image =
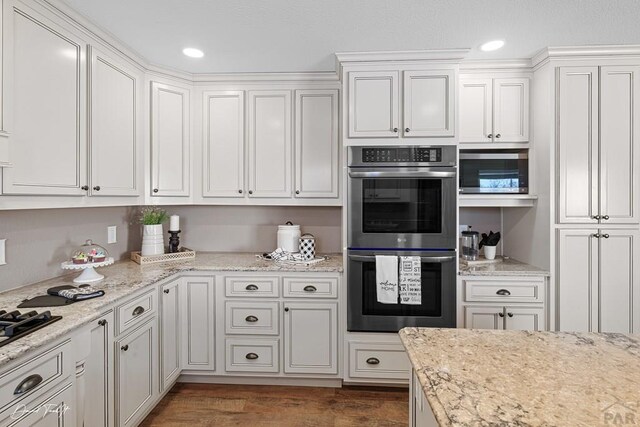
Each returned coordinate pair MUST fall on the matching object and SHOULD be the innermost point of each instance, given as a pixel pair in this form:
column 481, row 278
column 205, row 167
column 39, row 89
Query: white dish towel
column 410, row 280
column 387, row 279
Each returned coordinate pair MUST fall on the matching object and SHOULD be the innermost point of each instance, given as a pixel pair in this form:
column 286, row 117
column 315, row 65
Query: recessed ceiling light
column 492, row 45
column 192, row 52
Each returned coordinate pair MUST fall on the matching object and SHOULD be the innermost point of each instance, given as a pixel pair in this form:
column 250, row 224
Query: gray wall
column 38, row 240
column 484, row 220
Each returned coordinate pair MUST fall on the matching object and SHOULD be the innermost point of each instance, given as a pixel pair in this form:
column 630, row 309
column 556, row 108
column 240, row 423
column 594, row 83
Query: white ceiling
column 302, row 35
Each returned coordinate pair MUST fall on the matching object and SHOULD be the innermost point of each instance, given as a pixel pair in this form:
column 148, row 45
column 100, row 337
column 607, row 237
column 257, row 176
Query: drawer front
column 252, row 355
column 505, row 291
column 39, row 373
column 252, row 287
column 255, row 318
column 310, row 287
column 378, row 361
column 136, row 311
column 57, row 408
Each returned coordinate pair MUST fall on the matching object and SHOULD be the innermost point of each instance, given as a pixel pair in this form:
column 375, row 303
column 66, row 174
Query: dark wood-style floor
column 256, row 406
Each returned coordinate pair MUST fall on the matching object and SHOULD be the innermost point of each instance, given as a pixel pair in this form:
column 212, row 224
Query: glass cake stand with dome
column 87, row 258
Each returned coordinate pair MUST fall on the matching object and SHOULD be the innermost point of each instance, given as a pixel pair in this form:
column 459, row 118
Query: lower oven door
column 438, row 289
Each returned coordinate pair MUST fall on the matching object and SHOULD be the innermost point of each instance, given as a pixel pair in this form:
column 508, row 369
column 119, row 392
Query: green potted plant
column 151, row 218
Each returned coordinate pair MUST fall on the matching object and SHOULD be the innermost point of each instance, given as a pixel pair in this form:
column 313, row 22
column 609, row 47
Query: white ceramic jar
column 289, row 237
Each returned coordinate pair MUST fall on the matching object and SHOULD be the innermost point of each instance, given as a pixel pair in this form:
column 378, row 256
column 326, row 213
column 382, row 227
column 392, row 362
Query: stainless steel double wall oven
column 402, row 201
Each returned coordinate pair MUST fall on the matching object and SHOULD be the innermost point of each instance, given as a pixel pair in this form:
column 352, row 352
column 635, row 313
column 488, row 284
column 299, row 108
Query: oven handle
column 438, row 259
column 403, row 173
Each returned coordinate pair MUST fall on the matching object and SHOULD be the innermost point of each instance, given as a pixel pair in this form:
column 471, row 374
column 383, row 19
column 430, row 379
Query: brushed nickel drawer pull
column 251, row 356
column 251, row 287
column 138, row 310
column 28, row 384
column 251, row 319
column 310, row 288
column 373, row 361
column 504, row 292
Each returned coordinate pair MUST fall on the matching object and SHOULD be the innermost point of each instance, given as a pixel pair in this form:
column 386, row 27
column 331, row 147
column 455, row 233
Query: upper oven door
column 402, row 208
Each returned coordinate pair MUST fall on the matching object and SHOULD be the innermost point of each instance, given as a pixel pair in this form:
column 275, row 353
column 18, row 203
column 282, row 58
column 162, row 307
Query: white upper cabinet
column 597, row 144
column 223, row 144
column 374, row 104
column 113, row 132
column 270, row 144
column 476, row 110
column 170, row 126
column 429, row 103
column 316, row 144
column 620, row 144
column 47, row 70
column 494, row 110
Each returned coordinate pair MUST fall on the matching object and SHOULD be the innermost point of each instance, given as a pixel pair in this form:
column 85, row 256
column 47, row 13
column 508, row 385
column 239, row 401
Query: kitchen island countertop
column 521, row 378
column 122, row 280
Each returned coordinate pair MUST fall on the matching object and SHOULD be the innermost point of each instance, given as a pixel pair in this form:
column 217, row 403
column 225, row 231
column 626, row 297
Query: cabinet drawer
column 378, row 361
column 56, row 408
column 252, row 355
column 136, row 311
column 310, row 287
column 492, row 290
column 37, row 374
column 256, row 318
column 251, row 286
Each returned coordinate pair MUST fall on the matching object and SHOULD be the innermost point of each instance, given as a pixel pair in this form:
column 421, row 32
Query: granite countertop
column 122, row 280
column 508, row 267
column 521, row 378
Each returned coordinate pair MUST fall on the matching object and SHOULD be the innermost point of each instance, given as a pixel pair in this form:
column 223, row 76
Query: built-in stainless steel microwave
column 494, row 171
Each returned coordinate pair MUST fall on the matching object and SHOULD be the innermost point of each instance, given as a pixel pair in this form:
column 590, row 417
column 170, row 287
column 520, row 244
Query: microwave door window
column 493, row 180
column 401, row 205
column 431, row 290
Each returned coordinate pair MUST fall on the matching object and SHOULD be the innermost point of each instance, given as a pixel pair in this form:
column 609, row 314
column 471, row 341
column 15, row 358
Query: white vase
column 152, row 240
column 489, row 252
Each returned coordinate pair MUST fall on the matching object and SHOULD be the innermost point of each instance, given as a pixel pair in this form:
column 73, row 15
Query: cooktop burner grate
column 14, row 325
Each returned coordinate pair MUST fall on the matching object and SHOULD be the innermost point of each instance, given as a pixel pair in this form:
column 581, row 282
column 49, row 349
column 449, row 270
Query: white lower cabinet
column 136, row 373
column 252, row 355
column 99, row 381
column 504, row 302
column 598, row 280
column 311, row 337
column 378, row 361
column 197, row 320
column 55, row 410
column 420, row 414
column 169, row 334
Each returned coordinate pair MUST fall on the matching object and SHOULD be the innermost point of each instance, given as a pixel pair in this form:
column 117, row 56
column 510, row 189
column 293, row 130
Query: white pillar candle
column 174, row 223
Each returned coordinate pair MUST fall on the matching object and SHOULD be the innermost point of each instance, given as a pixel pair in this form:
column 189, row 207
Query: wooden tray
column 184, row 254
column 481, row 261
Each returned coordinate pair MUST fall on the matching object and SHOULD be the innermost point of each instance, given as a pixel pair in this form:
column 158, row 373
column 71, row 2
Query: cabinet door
column 136, row 372
column 45, row 68
column 270, row 143
column 476, row 110
column 223, row 149
column 577, row 144
column 619, row 290
column 483, row 317
column 99, row 407
column 374, row 104
column 620, row 144
column 197, row 323
column 113, row 131
column 169, row 335
column 577, row 280
column 169, row 140
column 511, row 110
column 525, row 319
column 316, row 143
column 311, row 338
column 429, row 103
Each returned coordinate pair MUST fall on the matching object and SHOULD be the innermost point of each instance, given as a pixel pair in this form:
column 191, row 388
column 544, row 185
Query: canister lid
column 470, row 233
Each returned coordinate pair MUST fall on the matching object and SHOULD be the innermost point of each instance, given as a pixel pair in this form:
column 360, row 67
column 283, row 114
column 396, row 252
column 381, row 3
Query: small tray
column 481, row 261
column 184, row 254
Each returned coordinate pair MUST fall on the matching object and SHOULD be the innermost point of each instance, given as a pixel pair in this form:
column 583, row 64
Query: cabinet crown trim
column 402, row 55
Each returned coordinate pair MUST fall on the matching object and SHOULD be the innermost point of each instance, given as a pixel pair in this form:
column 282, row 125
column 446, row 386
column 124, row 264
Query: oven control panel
column 401, row 155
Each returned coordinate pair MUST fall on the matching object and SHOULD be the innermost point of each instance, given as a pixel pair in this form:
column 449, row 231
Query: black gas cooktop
column 14, row 325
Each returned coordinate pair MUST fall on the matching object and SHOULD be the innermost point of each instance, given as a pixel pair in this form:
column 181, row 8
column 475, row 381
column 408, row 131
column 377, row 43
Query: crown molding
column 402, row 55
column 478, row 65
column 583, row 52
column 320, row 76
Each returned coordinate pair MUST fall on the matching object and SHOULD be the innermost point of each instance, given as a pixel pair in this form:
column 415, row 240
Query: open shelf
column 496, row 200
